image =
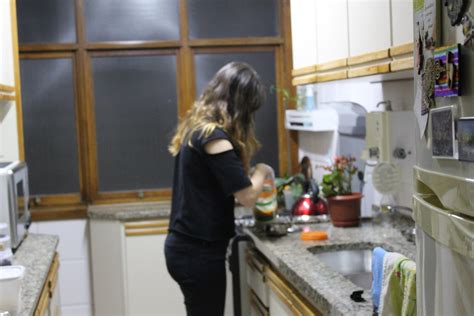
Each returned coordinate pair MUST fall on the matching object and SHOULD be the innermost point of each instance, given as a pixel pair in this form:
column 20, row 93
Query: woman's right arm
column 248, row 196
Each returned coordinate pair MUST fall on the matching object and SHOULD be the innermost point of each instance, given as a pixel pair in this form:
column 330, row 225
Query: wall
column 75, row 285
column 367, row 91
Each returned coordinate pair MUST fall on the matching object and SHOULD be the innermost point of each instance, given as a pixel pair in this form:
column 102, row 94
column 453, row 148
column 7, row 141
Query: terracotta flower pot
column 345, row 210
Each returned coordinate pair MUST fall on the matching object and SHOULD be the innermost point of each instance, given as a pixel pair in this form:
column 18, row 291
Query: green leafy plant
column 287, row 97
column 339, row 179
column 294, row 184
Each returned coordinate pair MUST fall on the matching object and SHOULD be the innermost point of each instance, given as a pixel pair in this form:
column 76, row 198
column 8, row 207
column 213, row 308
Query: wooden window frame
column 118, row 196
column 74, row 206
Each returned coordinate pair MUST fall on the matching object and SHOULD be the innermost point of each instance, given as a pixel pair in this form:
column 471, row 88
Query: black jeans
column 199, row 269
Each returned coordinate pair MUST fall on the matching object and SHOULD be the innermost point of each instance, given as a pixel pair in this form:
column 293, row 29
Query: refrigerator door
column 445, row 259
column 449, row 35
column 453, row 192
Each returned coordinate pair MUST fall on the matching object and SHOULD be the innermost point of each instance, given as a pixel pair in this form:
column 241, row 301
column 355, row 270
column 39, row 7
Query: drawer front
column 256, row 279
column 256, row 307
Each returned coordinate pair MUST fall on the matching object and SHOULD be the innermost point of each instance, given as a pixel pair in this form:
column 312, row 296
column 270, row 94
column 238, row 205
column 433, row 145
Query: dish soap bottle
column 266, row 205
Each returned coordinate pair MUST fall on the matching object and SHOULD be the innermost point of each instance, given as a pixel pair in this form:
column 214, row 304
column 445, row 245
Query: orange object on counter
column 314, row 235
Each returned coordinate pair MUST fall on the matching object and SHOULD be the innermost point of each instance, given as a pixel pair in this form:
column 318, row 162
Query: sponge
column 314, row 235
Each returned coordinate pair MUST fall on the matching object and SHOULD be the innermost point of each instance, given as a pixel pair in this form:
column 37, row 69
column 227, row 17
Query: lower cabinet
column 270, row 294
column 49, row 303
column 129, row 270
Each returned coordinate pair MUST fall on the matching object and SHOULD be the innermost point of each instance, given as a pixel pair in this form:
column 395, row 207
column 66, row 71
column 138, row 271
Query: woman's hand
column 248, row 196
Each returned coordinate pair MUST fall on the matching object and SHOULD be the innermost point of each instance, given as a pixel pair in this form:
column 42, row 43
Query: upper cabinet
column 303, row 32
column 6, row 46
column 325, row 31
column 332, row 30
column 402, row 21
column 369, row 26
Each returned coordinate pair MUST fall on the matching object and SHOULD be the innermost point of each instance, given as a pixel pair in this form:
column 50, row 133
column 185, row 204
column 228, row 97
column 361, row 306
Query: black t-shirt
column 203, row 187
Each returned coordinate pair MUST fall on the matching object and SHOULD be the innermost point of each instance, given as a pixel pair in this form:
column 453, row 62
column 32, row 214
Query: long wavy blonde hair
column 229, row 102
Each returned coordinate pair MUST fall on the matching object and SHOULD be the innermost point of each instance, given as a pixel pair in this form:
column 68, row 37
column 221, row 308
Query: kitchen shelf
column 385, row 61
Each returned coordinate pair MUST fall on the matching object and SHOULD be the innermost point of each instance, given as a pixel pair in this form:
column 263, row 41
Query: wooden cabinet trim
column 48, row 287
column 7, row 97
column 147, row 224
column 304, row 71
column 333, row 64
column 146, row 231
column 255, row 301
column 382, row 62
column 402, row 64
column 6, row 88
column 369, row 70
column 295, row 298
column 368, row 57
column 403, row 49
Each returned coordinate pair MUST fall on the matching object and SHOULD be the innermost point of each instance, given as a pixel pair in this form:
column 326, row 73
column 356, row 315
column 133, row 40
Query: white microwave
column 14, row 197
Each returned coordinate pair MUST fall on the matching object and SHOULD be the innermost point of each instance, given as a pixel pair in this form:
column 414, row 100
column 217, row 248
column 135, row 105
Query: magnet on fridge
column 447, row 61
column 465, row 134
column 443, row 134
column 428, row 79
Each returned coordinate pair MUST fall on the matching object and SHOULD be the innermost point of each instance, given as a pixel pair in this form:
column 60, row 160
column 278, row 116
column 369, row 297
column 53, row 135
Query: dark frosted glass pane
column 266, row 119
column 131, row 20
column 232, row 18
column 46, row 21
column 49, row 125
column 136, row 113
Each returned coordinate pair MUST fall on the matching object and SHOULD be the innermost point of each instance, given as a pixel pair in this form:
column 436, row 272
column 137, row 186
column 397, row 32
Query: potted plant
column 344, row 205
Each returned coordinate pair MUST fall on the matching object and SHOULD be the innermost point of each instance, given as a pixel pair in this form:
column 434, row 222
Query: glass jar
column 266, row 205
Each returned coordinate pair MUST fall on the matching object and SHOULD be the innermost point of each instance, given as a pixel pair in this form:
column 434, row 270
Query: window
column 46, row 21
column 49, row 119
column 267, row 118
column 135, row 109
column 103, row 88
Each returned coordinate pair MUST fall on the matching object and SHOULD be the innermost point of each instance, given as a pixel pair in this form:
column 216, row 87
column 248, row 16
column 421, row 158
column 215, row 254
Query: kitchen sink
column 355, row 265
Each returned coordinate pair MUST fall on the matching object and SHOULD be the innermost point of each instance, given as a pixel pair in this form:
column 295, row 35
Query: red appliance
column 309, row 203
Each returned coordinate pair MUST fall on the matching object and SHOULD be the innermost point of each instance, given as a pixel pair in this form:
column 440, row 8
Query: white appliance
column 443, row 201
column 14, row 195
column 389, row 139
column 321, row 120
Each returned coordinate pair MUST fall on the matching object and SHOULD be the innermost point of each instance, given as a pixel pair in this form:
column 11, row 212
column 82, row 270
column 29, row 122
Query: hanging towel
column 398, row 295
column 377, row 273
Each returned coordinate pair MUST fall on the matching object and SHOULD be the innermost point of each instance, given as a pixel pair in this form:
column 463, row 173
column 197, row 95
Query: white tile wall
column 320, row 147
column 74, row 272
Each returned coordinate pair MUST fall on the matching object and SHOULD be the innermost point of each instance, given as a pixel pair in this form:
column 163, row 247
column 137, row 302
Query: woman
column 212, row 146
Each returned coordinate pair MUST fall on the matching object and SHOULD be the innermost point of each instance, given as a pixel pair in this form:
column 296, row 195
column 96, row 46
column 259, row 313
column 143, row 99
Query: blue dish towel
column 377, row 274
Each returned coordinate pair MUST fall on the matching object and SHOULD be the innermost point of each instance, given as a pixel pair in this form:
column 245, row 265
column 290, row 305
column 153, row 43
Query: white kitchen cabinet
column 303, row 32
column 129, row 272
column 279, row 305
column 369, row 26
column 6, row 43
column 49, row 302
column 9, row 138
column 332, row 30
column 151, row 290
column 402, row 21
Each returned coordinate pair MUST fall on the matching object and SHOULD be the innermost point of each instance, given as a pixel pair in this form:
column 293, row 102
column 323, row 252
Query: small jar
column 266, row 205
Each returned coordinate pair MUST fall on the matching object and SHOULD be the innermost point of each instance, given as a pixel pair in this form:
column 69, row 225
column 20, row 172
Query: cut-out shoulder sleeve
column 226, row 166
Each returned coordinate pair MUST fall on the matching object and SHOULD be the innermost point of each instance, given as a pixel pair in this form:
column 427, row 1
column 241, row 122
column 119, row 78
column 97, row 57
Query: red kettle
column 309, row 203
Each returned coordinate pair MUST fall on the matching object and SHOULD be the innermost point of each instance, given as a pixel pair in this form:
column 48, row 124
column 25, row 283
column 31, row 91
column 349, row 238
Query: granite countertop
column 328, row 290
column 36, row 254
column 130, row 212
column 142, row 211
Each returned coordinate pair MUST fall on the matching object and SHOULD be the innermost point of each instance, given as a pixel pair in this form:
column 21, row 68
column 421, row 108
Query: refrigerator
column 443, row 200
